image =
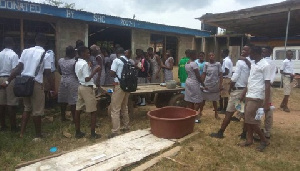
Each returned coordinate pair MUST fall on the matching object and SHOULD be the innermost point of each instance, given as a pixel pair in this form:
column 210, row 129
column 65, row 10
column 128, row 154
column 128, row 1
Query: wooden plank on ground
column 108, row 155
column 155, row 160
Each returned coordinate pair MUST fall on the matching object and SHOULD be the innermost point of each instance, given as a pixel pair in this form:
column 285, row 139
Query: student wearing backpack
column 119, row 97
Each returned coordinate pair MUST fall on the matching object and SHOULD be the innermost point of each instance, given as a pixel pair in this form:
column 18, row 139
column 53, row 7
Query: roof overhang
column 268, row 20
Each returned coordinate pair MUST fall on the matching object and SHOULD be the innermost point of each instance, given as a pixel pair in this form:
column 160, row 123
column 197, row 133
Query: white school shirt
column 272, row 68
column 287, row 67
column 241, row 74
column 51, row 55
column 31, row 58
column 83, row 70
column 8, row 61
column 259, row 73
column 227, row 63
column 117, row 66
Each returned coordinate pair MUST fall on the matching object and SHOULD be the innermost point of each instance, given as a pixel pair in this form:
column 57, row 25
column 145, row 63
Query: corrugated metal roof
column 43, row 9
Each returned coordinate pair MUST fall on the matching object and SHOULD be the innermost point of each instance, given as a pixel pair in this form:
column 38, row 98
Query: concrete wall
column 184, row 43
column 140, row 39
column 67, row 33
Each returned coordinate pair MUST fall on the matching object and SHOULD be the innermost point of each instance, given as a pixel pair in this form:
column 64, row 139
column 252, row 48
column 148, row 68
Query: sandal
column 244, row 144
column 262, row 146
column 197, row 121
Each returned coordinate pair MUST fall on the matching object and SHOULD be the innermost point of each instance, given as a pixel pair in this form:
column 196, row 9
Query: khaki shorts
column 287, row 85
column 7, row 96
column 87, row 99
column 36, row 102
column 234, row 96
column 251, row 107
column 226, row 86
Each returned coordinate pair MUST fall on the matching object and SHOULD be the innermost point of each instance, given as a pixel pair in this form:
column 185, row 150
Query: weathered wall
column 67, row 33
column 184, row 43
column 140, row 39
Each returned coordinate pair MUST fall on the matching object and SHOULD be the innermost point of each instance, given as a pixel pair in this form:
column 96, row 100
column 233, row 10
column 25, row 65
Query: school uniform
column 227, row 63
column 119, row 99
column 8, row 61
column 31, row 58
column 240, row 77
column 259, row 73
column 86, row 95
column 287, row 67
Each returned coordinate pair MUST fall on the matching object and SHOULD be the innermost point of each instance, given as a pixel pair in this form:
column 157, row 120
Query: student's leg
column 37, row 120
column 25, row 118
column 73, row 110
column 124, row 112
column 250, row 132
column 79, row 107
column 220, row 104
column 215, row 109
column 12, row 117
column 190, row 105
column 63, row 107
column 116, row 102
column 225, row 103
column 2, row 117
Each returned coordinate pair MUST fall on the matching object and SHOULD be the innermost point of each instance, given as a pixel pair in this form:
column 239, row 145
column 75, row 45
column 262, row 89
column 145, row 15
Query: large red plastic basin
column 172, row 122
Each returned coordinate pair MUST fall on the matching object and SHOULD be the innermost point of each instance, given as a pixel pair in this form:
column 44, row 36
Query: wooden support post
column 22, row 34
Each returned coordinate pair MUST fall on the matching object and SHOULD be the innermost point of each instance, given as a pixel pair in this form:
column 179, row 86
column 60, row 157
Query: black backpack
column 128, row 80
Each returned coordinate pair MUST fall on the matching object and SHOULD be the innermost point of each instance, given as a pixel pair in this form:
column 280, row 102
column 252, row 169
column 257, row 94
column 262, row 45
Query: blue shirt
column 200, row 65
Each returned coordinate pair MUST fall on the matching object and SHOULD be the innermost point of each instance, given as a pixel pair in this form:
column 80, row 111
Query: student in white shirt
column 258, row 96
column 119, row 98
column 86, row 95
column 266, row 53
column 239, row 82
column 8, row 101
column 28, row 63
column 287, row 72
column 227, row 66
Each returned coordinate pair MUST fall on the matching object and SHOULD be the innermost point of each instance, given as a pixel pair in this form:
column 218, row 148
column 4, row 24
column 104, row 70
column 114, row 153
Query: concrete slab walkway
column 108, row 155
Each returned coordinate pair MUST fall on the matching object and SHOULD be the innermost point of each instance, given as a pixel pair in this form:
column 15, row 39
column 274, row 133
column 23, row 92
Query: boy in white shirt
column 27, row 66
column 86, row 93
column 287, row 71
column 8, row 101
column 258, row 96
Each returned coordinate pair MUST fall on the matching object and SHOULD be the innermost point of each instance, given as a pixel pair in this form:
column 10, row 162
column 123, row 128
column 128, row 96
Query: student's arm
column 48, row 74
column 197, row 73
column 171, row 61
column 16, row 71
column 248, row 63
column 267, row 96
column 267, row 78
column 236, row 75
column 220, row 77
column 113, row 70
column 59, row 69
column 85, row 69
column 99, row 61
column 243, row 95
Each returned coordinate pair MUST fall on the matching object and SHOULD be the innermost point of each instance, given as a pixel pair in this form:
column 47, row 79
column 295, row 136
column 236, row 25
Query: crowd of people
column 250, row 83
column 84, row 70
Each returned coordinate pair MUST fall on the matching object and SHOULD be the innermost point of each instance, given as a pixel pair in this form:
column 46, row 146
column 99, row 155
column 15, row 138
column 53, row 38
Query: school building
column 22, row 20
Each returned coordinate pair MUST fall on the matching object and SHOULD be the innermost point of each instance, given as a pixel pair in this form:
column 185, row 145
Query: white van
column 279, row 55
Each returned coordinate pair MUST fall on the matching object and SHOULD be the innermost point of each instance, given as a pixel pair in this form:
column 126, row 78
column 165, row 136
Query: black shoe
column 222, row 112
column 79, row 135
column 95, row 136
column 235, row 119
column 243, row 135
column 112, row 135
column 219, row 134
column 124, row 129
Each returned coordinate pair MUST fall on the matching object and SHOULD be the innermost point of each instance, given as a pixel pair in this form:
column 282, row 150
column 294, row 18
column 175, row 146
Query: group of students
column 250, row 83
column 83, row 70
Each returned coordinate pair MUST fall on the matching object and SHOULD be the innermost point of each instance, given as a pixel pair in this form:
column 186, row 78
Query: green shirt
column 182, row 75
